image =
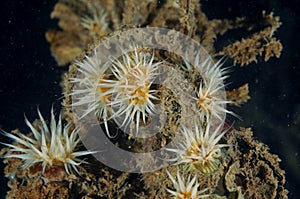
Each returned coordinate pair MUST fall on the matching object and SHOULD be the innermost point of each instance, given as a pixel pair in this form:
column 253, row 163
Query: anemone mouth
column 205, row 102
column 136, row 85
column 139, row 95
column 103, row 91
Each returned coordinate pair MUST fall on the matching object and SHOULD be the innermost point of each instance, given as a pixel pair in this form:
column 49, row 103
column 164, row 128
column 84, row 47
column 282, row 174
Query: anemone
column 185, row 187
column 92, row 89
column 96, row 23
column 133, row 98
column 50, row 145
column 210, row 91
column 199, row 148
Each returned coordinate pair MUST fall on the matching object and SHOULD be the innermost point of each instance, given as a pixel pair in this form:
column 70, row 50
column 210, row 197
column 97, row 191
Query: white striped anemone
column 56, row 145
column 210, row 91
column 133, row 97
column 92, row 89
column 185, row 187
column 199, row 148
column 119, row 90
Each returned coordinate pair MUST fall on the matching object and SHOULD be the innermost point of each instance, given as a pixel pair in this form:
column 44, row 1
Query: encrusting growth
column 52, row 146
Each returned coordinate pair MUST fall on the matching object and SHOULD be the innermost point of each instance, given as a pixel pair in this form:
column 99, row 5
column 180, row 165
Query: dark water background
column 30, row 77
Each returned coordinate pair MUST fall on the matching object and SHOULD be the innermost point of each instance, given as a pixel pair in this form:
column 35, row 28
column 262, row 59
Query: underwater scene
column 157, row 99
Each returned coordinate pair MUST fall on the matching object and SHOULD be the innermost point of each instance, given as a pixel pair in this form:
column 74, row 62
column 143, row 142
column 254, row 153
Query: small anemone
column 185, row 188
column 52, row 146
column 120, row 90
column 96, row 23
column 210, row 92
column 92, row 89
column 199, row 148
column 135, row 72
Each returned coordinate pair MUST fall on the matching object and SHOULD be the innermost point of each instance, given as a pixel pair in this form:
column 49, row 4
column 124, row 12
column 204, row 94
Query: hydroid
column 96, row 23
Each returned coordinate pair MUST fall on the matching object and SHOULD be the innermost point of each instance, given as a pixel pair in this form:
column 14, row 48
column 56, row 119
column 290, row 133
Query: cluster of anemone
column 199, row 147
column 120, row 90
column 123, row 90
column 50, row 145
column 93, row 91
column 198, row 150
